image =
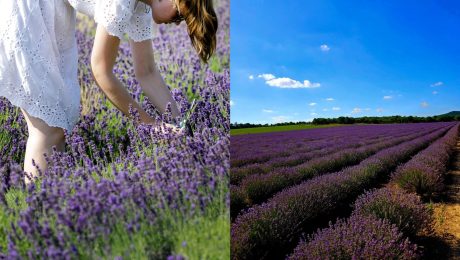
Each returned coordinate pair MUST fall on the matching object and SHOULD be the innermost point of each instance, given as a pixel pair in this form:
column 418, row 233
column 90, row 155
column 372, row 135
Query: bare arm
column 149, row 77
column 103, row 58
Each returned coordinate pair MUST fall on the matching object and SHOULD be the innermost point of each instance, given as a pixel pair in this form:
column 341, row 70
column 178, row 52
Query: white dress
column 38, row 60
column 38, row 51
column 119, row 17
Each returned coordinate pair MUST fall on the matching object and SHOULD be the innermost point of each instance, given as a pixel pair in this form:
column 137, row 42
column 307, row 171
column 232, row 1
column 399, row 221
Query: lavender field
column 121, row 190
column 351, row 192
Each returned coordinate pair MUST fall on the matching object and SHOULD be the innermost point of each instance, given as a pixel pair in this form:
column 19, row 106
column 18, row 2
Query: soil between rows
column 446, row 240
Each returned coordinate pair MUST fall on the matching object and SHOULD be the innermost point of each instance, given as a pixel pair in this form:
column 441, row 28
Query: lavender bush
column 405, row 210
column 126, row 190
column 359, row 237
column 424, row 174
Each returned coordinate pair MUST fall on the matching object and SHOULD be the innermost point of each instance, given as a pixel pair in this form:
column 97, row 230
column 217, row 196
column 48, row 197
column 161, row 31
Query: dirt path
column 447, row 213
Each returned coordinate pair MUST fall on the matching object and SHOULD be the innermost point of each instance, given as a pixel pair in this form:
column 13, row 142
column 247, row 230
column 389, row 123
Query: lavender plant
column 122, row 189
column 405, row 210
column 359, row 237
column 424, row 174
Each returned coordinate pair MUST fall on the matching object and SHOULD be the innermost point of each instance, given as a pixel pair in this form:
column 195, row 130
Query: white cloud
column 387, row 97
column 437, row 84
column 309, row 119
column 280, row 119
column 309, row 84
column 330, row 99
column 266, row 76
column 251, row 77
column 324, row 48
column 379, row 110
column 312, row 104
column 232, row 103
column 313, row 114
column 356, row 110
column 336, row 108
column 290, row 83
column 273, row 81
column 267, row 110
column 296, row 114
column 435, row 92
column 325, row 109
column 424, row 104
column 367, row 109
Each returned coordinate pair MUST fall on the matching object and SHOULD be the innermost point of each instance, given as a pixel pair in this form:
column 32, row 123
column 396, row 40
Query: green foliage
column 205, row 237
column 448, row 117
column 277, row 128
column 417, row 181
column 386, row 119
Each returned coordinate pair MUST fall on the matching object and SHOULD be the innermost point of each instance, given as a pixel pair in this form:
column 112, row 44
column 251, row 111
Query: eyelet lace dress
column 119, row 17
column 38, row 60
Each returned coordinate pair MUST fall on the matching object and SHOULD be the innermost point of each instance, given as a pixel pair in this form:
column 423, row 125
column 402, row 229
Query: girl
column 38, row 59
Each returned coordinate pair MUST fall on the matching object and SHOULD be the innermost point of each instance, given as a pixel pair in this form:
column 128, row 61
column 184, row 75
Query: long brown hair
column 201, row 20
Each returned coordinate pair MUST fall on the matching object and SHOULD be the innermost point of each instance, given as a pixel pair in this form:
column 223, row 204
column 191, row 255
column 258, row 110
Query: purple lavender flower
column 116, row 177
column 403, row 209
column 424, row 173
column 359, row 237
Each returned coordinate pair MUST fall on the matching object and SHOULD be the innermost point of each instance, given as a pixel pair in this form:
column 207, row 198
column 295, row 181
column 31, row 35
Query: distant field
column 289, row 185
column 268, row 129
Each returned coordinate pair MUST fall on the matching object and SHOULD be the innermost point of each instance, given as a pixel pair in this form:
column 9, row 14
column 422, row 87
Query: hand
column 164, row 127
column 175, row 129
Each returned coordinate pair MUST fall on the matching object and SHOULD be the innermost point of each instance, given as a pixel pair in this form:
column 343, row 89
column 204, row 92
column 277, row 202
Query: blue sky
column 297, row 60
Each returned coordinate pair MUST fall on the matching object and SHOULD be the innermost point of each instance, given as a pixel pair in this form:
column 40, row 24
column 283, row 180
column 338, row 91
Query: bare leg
column 41, row 140
column 150, row 78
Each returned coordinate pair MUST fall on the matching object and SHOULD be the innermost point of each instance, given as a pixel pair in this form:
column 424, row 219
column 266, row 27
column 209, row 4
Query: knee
column 56, row 135
column 40, row 130
column 49, row 136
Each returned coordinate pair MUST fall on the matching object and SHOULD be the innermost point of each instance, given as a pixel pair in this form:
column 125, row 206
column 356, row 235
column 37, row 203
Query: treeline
column 359, row 120
column 237, row 125
column 383, row 120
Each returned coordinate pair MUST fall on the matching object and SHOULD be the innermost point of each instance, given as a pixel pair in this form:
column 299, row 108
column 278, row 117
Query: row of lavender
column 425, row 173
column 259, row 148
column 257, row 188
column 287, row 155
column 273, row 228
column 367, row 236
column 384, row 220
column 121, row 190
